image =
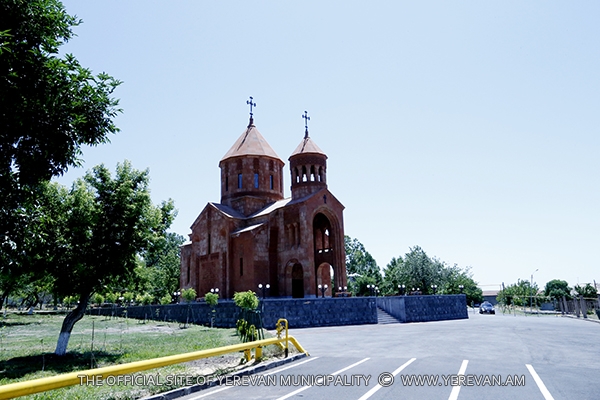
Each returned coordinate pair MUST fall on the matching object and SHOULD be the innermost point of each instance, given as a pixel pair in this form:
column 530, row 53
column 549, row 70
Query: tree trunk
column 69, row 322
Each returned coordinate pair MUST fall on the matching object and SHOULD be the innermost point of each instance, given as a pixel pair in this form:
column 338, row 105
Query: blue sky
column 468, row 128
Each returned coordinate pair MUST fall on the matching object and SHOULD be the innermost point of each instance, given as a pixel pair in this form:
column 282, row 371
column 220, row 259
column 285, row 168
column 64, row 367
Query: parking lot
column 484, row 357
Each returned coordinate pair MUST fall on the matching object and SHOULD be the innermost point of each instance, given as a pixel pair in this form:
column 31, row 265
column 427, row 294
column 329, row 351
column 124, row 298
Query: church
column 254, row 236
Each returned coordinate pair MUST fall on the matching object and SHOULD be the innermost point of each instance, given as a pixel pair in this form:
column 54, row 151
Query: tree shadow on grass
column 15, row 323
column 18, row 367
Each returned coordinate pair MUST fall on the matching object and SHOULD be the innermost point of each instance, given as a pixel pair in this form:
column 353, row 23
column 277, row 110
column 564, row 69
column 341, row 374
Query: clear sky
column 468, row 128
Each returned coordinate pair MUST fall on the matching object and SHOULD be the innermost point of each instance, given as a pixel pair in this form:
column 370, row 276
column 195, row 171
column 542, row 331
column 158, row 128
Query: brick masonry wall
column 425, row 308
column 300, row 313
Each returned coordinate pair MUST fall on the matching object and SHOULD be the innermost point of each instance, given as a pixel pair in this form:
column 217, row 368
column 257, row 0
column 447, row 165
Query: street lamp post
column 214, row 290
column 461, row 288
column 434, row 287
column 322, row 288
column 176, row 296
column 531, row 292
column 401, row 289
column 264, row 288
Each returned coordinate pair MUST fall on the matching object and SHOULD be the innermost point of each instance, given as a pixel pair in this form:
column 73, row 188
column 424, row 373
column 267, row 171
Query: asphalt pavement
column 483, row 357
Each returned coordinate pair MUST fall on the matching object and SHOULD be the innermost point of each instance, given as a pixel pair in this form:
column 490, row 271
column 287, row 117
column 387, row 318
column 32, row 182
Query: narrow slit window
column 226, row 183
column 256, row 181
column 241, row 266
column 239, row 181
column 271, row 182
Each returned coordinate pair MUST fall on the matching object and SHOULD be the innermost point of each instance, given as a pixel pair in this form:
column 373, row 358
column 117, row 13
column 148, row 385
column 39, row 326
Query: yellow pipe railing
column 76, row 378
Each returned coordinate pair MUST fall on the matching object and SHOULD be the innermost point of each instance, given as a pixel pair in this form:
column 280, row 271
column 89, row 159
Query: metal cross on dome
column 306, row 119
column 252, row 104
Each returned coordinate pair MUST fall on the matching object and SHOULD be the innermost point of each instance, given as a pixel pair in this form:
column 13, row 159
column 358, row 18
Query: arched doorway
column 297, row 281
column 329, row 253
column 325, row 277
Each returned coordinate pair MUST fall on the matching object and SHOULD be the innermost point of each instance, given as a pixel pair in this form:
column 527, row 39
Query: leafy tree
column 556, row 289
column 391, row 276
column 107, row 222
column 50, row 106
column 159, row 269
column 360, row 264
column 418, row 270
column 360, row 286
column 587, row 291
column 519, row 294
column 454, row 277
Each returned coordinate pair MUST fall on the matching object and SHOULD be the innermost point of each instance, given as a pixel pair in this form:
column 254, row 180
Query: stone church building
column 256, row 236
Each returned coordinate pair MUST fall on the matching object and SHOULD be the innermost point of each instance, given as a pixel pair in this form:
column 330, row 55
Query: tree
column 416, row 270
column 556, row 289
column 49, row 107
column 454, row 277
column 107, row 222
column 359, row 263
column 158, row 272
column 519, row 294
column 587, row 291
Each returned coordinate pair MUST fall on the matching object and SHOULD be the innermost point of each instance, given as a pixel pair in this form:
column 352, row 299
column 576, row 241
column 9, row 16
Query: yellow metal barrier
column 75, row 378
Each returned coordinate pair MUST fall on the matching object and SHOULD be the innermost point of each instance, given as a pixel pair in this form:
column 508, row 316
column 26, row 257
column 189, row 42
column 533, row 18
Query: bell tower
column 308, row 166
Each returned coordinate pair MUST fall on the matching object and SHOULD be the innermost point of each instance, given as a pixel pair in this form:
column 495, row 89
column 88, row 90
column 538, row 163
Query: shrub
column 112, row 297
column 166, row 299
column 211, row 299
column 188, row 294
column 246, row 300
column 97, row 299
column 144, row 299
column 127, row 297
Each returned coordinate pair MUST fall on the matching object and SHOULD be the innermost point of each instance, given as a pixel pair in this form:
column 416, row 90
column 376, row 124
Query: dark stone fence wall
column 300, row 313
column 425, row 308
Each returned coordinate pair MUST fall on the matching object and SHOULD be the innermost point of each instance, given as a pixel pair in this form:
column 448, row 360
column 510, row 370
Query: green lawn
column 27, row 344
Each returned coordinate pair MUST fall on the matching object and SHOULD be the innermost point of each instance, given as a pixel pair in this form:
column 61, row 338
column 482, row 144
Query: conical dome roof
column 307, row 145
column 251, row 143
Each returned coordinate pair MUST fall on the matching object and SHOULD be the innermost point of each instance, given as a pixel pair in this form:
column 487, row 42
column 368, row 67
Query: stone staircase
column 385, row 318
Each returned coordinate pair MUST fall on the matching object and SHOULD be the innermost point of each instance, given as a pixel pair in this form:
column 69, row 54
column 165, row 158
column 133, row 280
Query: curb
column 582, row 319
column 176, row 393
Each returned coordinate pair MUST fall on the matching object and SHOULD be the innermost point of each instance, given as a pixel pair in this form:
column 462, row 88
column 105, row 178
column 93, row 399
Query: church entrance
column 297, row 281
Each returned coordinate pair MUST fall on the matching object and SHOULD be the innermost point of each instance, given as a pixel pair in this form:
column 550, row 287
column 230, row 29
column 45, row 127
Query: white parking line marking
column 270, row 373
column 456, row 389
column 335, row 373
column 539, row 382
column 378, row 386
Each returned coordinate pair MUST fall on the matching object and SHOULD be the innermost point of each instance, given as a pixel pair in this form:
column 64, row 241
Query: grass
column 27, row 344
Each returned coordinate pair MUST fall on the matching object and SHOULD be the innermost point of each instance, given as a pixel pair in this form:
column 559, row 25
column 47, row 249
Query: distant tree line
column 413, row 273
column 524, row 293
